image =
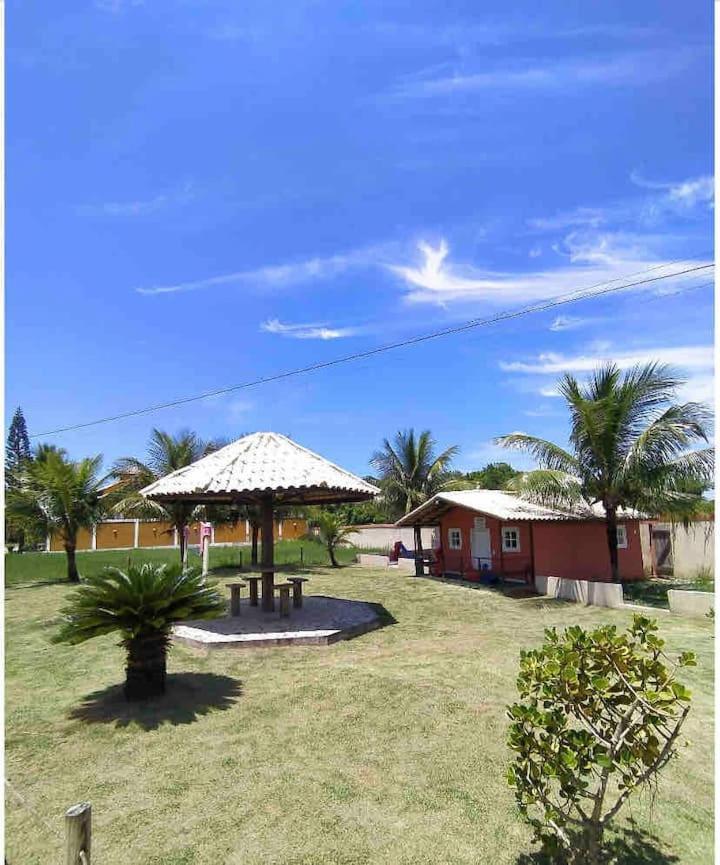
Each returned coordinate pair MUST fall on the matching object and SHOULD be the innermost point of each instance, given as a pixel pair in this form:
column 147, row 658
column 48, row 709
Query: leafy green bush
column 599, row 715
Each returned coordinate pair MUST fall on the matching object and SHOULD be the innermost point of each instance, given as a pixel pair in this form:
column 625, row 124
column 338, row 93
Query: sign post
column 205, row 535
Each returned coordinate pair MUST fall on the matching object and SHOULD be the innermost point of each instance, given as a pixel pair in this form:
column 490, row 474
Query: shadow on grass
column 39, row 584
column 626, row 846
column 238, row 570
column 385, row 617
column 515, row 591
column 188, row 696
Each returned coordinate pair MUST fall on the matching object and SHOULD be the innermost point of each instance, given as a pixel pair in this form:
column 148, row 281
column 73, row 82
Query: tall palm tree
column 141, row 603
column 410, row 472
column 165, row 454
column 57, row 494
column 630, row 447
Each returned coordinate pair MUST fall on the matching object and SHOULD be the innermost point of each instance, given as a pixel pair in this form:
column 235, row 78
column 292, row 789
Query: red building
column 481, row 533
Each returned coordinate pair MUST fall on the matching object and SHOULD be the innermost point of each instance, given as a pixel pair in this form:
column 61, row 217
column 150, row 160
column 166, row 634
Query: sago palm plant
column 630, row 448
column 142, row 604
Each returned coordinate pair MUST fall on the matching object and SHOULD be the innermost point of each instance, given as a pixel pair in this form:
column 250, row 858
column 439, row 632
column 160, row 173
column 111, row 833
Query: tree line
column 632, row 445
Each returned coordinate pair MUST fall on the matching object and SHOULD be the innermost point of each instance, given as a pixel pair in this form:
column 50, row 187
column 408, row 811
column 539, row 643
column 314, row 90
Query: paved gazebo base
column 320, row 621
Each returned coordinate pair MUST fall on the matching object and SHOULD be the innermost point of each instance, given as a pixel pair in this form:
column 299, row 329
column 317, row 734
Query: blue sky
column 200, row 193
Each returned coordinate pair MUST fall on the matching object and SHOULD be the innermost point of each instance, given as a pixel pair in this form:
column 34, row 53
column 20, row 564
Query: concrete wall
column 693, row 547
column 370, row 560
column 596, row 594
column 694, row 604
column 383, row 537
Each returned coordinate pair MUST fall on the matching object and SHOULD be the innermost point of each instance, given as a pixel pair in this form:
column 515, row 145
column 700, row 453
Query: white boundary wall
column 693, row 547
column 582, row 591
column 383, row 537
column 695, row 604
column 369, row 560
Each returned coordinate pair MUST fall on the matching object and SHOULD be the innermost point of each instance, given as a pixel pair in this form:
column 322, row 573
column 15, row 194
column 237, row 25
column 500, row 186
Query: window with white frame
column 455, row 539
column 622, row 537
column 511, row 539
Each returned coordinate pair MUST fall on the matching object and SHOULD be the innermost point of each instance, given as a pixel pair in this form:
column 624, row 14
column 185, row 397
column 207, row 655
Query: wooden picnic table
column 267, row 577
column 294, row 582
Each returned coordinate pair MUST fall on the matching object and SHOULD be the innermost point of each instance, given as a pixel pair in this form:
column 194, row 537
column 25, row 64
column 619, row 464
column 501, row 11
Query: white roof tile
column 260, row 463
column 506, row 506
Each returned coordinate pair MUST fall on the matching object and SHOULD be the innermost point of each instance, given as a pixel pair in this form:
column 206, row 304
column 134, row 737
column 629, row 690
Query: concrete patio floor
column 320, row 621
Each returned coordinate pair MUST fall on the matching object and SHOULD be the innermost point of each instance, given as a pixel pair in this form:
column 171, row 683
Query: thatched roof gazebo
column 262, row 469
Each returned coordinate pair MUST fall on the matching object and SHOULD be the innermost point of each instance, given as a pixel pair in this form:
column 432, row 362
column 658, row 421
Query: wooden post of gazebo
column 267, row 565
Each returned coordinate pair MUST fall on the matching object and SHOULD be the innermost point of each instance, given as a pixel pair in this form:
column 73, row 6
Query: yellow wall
column 84, row 541
column 293, row 528
column 121, row 534
column 110, row 536
column 156, row 535
column 231, row 534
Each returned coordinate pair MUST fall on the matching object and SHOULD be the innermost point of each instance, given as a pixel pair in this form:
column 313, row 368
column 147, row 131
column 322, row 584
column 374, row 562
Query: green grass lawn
column 52, row 567
column 389, row 748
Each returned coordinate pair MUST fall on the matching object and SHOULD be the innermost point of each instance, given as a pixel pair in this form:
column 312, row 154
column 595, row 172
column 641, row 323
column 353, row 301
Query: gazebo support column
column 419, row 566
column 268, row 559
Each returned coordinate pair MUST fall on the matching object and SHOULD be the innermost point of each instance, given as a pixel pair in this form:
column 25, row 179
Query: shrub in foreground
column 142, row 603
column 599, row 715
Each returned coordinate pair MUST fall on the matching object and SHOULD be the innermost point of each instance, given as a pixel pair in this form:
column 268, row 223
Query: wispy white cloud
column 687, row 357
column 550, row 392
column 116, row 6
column 589, row 261
column 307, row 331
column 578, row 217
column 667, row 200
column 699, row 388
column 694, row 363
column 503, row 31
column 570, row 322
column 277, row 276
column 184, row 194
column 551, row 75
column 688, row 193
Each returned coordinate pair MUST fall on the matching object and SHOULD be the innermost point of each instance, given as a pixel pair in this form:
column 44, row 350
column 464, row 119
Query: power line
column 559, row 300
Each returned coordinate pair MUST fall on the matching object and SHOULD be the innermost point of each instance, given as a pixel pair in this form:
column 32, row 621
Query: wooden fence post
column 78, row 831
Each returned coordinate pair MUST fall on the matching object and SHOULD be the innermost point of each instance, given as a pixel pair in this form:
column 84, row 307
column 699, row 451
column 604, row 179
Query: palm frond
column 549, row 455
column 662, row 441
column 550, row 488
column 144, row 599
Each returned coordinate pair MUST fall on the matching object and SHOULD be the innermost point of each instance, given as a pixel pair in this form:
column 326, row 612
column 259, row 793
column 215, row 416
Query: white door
column 480, row 545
